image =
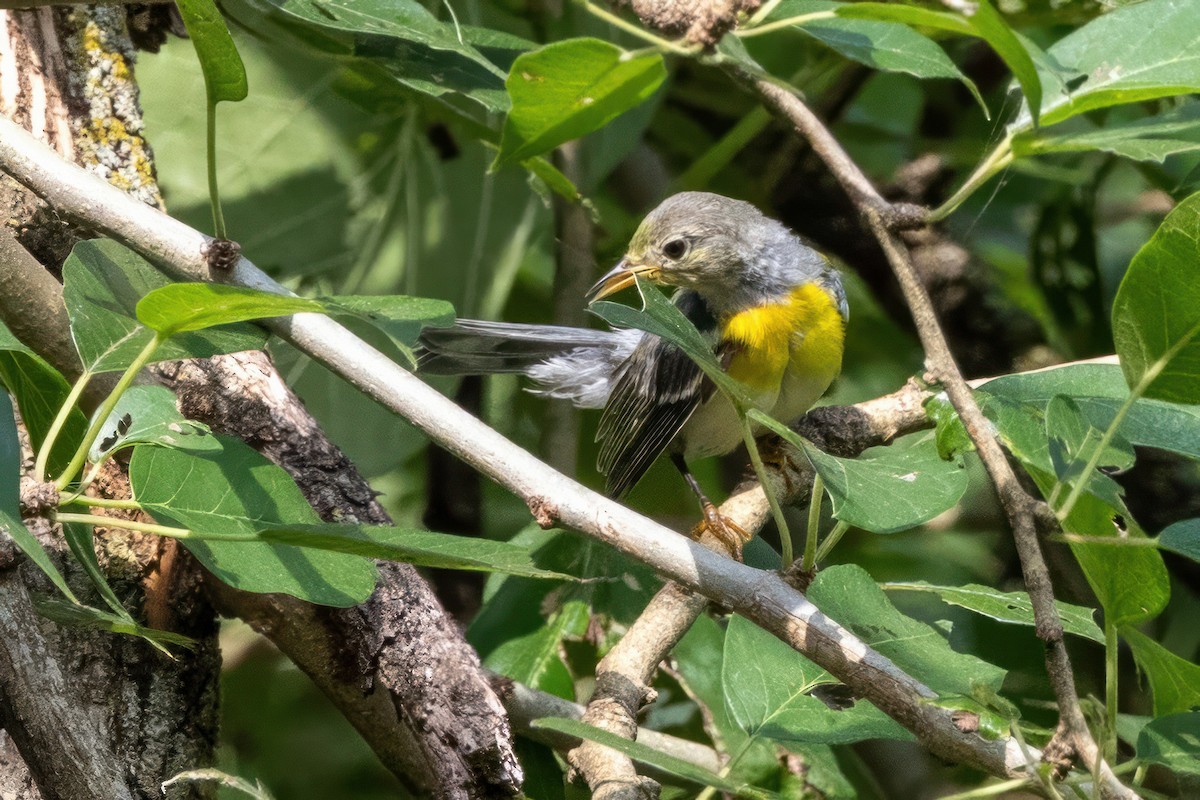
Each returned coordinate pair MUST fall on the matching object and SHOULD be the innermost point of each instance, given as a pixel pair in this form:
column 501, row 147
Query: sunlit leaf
column 570, row 88
column 224, row 73
column 182, row 307
column 235, row 492
column 1156, row 314
column 1173, row 741
column 1011, row 607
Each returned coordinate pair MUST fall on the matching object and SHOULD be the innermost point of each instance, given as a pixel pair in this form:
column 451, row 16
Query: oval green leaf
column 182, row 307
column 571, row 88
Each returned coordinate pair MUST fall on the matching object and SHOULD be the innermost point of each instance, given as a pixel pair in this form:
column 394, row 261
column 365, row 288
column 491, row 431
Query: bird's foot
column 725, row 531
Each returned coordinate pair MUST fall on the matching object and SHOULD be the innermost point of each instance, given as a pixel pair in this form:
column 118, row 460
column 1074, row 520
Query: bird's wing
column 655, row 392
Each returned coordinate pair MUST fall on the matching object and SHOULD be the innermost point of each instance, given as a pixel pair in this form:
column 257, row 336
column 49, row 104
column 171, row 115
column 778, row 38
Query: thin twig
column 1019, row 507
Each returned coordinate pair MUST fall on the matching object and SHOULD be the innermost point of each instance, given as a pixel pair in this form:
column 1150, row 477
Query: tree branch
column 884, row 220
column 553, row 498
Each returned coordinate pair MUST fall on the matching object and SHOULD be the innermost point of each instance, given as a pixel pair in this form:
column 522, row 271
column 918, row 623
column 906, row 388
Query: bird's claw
column 725, row 531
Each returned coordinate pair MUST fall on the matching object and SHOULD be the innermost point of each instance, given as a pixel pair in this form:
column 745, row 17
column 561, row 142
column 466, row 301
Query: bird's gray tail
column 476, row 347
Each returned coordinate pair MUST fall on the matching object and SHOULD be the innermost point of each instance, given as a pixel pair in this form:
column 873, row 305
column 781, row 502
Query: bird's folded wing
column 656, row 391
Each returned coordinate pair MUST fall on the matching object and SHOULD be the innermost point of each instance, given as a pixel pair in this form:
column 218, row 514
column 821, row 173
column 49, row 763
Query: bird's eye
column 675, row 249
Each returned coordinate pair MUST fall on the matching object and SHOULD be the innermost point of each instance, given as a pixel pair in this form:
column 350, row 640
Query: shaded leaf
column 769, row 692
column 78, row 616
column 1173, row 741
column 1182, row 537
column 102, row 284
column 880, row 45
column 535, row 658
column 10, row 460
column 1147, row 139
column 892, row 489
column 1174, row 681
column 224, row 73
column 411, row 45
column 849, row 595
column 1156, row 313
column 27, row 543
column 236, row 492
column 985, row 23
column 399, row 316
column 1011, row 607
column 570, row 88
column 147, row 415
column 1073, row 442
column 646, row 755
column 40, row 391
column 417, row 547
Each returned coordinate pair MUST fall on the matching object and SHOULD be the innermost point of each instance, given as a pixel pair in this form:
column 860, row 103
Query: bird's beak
column 623, row 275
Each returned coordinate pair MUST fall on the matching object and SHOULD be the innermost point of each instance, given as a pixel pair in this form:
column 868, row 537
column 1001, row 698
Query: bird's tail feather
column 476, row 347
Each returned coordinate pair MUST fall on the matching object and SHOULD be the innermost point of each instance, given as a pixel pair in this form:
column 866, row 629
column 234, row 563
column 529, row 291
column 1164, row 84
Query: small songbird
column 774, row 309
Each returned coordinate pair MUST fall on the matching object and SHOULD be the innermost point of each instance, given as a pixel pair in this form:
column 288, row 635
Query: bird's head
column 725, row 250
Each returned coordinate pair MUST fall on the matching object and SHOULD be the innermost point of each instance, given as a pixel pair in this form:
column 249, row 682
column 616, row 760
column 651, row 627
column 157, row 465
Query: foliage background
column 339, row 181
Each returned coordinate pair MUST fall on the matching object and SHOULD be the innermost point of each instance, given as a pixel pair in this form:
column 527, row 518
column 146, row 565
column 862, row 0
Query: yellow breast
column 804, row 335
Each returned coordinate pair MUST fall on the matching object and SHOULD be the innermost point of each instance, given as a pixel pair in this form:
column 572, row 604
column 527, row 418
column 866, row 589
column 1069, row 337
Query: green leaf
column 399, row 316
column 10, row 460
column 568, row 89
column 646, row 755
column 79, row 540
column 1137, row 52
column 1173, row 741
column 224, row 73
column 147, row 415
column 182, row 307
column 892, row 489
column 535, row 658
column 769, row 692
column 102, row 285
column 1011, row 607
column 950, row 435
column 237, row 492
column 1098, row 391
column 880, row 45
column 661, row 317
column 79, row 616
column 1183, row 538
column 411, row 45
column 417, row 547
column 27, row 543
column 985, row 22
column 849, row 595
column 1156, row 313
column 1147, row 139
column 1174, row 681
column 1127, row 576
column 1073, row 441
column 40, row 391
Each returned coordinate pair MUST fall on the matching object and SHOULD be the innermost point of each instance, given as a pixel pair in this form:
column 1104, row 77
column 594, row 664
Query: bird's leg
column 726, row 531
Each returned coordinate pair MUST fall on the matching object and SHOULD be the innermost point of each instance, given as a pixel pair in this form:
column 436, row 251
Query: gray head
column 725, row 250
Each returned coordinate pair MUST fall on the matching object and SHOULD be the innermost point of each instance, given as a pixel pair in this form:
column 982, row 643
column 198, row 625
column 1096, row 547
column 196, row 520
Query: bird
column 773, row 308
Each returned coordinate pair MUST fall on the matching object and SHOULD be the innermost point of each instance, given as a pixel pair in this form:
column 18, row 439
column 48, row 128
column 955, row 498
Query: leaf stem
column 127, row 525
column 780, row 24
column 997, row 160
column 214, row 195
column 60, row 420
column 102, row 502
column 832, row 539
column 785, row 534
column 1110, row 689
column 815, row 499
column 105, row 410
